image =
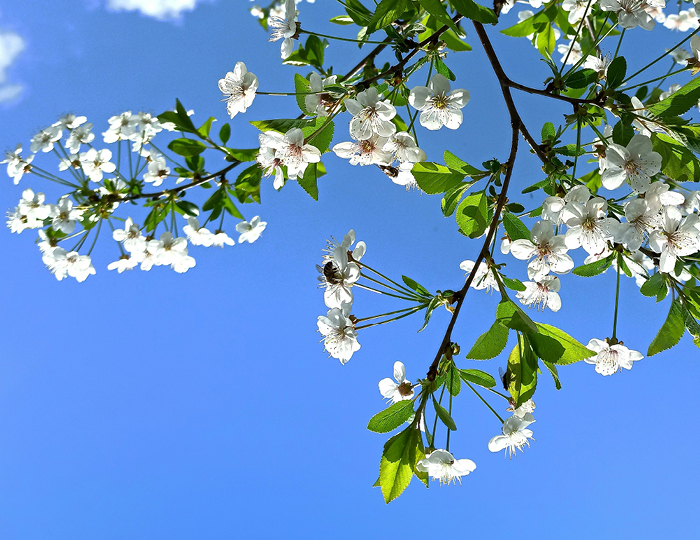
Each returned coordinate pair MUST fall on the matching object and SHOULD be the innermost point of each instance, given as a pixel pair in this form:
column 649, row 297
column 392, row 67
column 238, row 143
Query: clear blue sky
column 158, row 405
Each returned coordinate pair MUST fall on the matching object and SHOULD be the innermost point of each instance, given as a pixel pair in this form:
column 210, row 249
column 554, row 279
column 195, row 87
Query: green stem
column 97, row 235
column 619, row 42
column 656, row 79
column 400, row 291
column 578, row 31
column 339, row 38
column 485, row 402
column 383, row 292
column 436, row 416
column 384, row 314
column 662, row 56
column 617, row 296
column 578, row 146
column 414, row 310
column 406, row 289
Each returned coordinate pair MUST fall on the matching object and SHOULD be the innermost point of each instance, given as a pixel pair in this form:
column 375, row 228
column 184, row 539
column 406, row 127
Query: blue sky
column 159, row 405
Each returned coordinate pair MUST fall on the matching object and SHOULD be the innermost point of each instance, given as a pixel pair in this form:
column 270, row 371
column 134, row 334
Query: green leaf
column 515, row 228
column 594, row 268
column 421, row 475
column 397, row 463
column 653, row 285
column 437, row 10
column 616, row 72
column 680, row 102
column 391, row 417
column 248, row 183
column 456, row 164
column 476, row 376
column 247, row 154
column 206, row 127
column 671, row 332
column 416, row 286
column 434, row 178
column 622, row 133
column 569, row 150
column 582, row 78
column 314, row 49
column 513, row 284
column 548, row 132
column 302, row 87
column 546, row 41
column 454, row 42
column 522, row 366
column 555, row 374
column 472, row 215
column 691, row 324
column 677, row 161
column 342, row 20
column 444, row 416
column 452, row 197
column 231, row 208
column 188, row 208
column 225, row 133
column 357, row 12
column 179, row 117
column 522, row 29
column 452, row 381
column 216, row 200
column 324, row 127
column 474, row 11
column 187, row 147
column 283, row 125
column 434, row 303
column 443, row 70
column 511, row 316
column 309, row 182
column 489, row 344
column 557, row 347
column 386, row 13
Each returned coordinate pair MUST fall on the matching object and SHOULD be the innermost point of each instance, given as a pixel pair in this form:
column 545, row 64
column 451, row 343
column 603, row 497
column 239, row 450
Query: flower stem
column 390, row 320
column 485, row 402
column 436, row 416
column 339, row 38
column 97, row 235
column 657, row 78
column 617, row 296
column 664, row 54
column 363, row 265
column 578, row 31
column 617, row 50
column 384, row 314
column 382, row 292
column 401, row 291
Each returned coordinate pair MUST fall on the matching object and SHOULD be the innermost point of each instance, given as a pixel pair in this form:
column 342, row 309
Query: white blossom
column 442, row 466
column 250, row 231
column 125, row 262
column 32, row 205
column 70, row 121
column 541, row 294
column 64, row 216
column 338, row 274
column 285, row 27
column 316, row 103
column 78, row 136
column 438, row 105
column 679, row 237
column 548, row 250
column 370, row 116
column 198, row 236
column 130, row 237
column 636, row 163
column 588, row 226
column 630, row 13
column 400, row 390
column 220, row 238
column 515, row 435
column 45, row 139
column 570, row 53
column 291, row 151
column 157, row 171
column 483, row 279
column 96, row 162
column 368, row 152
column 338, row 331
column 238, row 87
column 611, row 358
column 121, row 127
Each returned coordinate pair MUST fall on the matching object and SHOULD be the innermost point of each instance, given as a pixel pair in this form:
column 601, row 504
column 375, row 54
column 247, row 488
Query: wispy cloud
column 159, row 9
column 11, row 45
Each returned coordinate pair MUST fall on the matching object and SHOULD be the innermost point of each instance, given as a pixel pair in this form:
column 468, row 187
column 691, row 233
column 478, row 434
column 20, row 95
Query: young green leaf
column 452, row 381
column 616, row 72
column 476, row 376
column 671, row 332
column 511, row 316
column 471, row 215
column 387, row 12
column 474, row 11
column 513, row 284
column 397, row 463
column 225, row 133
column 515, row 228
column 187, row 147
column 555, row 374
column 556, row 346
column 522, row 365
column 302, row 87
column 416, row 286
column 594, row 268
column 444, row 416
column 489, row 344
column 653, row 285
column 434, row 178
column 391, row 417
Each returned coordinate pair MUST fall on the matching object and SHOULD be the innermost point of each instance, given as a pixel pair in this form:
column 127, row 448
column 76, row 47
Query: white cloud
column 160, row 9
column 11, row 45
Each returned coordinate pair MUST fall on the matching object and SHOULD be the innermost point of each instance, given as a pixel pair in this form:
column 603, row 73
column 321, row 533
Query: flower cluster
column 339, row 273
column 99, row 185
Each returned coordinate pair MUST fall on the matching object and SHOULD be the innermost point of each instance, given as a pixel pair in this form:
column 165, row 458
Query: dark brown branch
column 185, row 187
